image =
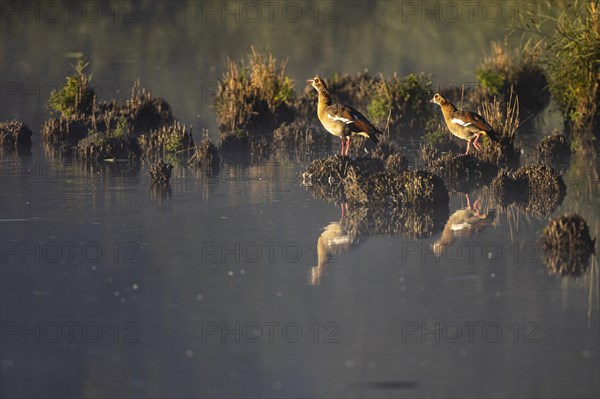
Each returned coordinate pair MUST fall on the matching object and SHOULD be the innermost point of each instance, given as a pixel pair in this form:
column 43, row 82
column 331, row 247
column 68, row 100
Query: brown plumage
column 340, row 120
column 466, row 125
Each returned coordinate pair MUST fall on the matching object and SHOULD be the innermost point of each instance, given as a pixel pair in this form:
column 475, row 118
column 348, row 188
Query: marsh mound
column 535, row 188
column 99, row 146
column 459, row 172
column 140, row 113
column 15, row 135
column 334, row 169
column 418, row 190
column 567, row 245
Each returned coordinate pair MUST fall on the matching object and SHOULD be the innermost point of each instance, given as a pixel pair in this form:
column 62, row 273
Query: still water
column 216, row 288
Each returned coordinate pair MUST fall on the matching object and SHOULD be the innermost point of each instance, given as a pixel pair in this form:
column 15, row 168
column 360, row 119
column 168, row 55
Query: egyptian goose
column 342, row 121
column 466, row 125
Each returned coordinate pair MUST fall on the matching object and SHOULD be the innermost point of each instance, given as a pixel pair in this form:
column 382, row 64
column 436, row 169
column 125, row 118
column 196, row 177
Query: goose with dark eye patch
column 340, row 120
column 466, row 125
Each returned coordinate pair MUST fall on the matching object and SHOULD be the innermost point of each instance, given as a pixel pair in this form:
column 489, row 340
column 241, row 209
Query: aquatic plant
column 76, row 97
column 403, row 102
column 255, row 92
column 567, row 245
column 112, row 143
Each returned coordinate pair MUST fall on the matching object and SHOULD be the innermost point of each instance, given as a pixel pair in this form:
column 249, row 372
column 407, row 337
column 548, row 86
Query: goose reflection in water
column 333, row 240
column 463, row 223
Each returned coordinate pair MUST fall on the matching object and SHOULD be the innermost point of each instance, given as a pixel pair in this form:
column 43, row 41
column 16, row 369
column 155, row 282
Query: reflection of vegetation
column 255, row 92
column 536, row 188
column 567, row 245
column 405, row 101
column 518, row 68
column 77, row 96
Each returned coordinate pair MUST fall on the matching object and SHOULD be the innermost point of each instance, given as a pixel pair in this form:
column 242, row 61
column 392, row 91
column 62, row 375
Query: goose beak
column 431, row 101
column 309, row 81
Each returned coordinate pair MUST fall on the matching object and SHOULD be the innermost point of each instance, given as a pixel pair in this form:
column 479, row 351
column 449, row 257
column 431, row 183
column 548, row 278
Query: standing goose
column 466, row 125
column 342, row 121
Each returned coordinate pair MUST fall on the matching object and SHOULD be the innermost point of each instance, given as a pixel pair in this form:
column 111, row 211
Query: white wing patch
column 339, row 118
column 461, row 122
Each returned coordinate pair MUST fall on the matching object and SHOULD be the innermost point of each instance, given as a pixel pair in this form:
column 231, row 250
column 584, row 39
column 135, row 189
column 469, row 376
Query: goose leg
column 468, row 147
column 342, row 152
column 476, row 142
column 348, row 145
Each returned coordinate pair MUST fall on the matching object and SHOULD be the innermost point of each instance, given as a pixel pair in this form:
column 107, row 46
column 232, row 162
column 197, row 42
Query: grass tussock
column 256, row 92
column 15, row 135
column 334, row 169
column 567, row 245
column 404, row 102
column 460, row 173
column 520, row 69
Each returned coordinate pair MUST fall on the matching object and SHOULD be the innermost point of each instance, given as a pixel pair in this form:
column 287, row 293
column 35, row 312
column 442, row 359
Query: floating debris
column 160, row 173
column 535, row 188
column 567, row 245
column 15, row 135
